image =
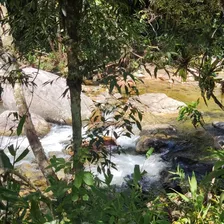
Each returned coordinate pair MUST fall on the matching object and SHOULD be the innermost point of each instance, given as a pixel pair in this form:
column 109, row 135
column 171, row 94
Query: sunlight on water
column 125, row 164
column 59, row 135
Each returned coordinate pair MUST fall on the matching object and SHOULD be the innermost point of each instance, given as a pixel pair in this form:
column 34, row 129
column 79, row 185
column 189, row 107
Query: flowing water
column 54, row 142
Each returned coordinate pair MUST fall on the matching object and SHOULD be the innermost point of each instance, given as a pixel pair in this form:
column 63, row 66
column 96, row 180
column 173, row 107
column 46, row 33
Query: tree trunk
column 31, row 135
column 72, row 15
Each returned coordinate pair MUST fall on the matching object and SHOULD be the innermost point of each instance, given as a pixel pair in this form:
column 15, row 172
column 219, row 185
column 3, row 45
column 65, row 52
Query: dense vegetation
column 113, row 38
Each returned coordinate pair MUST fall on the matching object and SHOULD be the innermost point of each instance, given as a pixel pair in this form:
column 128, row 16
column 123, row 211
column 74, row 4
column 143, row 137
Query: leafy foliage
column 190, row 111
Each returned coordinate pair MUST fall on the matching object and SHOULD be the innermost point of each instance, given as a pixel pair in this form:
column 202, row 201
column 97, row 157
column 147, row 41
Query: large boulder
column 45, row 98
column 156, row 103
column 160, row 137
column 9, row 124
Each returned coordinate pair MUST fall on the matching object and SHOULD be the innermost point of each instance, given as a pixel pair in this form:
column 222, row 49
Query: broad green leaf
column 85, row 197
column 88, row 178
column 78, row 180
column 22, row 155
column 75, row 197
column 20, row 125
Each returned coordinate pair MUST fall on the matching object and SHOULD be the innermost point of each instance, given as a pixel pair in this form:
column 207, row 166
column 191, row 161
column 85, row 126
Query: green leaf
column 20, row 125
column 88, row 178
column 22, row 155
column 155, row 71
column 85, row 197
column 12, row 151
column 78, row 180
column 75, row 197
column 139, row 115
column 139, row 125
column 182, row 196
column 137, row 174
column 218, row 165
column 193, row 183
column 4, row 161
column 183, row 74
column 149, row 152
column 8, row 194
column 221, row 200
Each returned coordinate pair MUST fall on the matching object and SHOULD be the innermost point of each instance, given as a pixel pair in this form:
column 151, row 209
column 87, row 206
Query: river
column 53, row 143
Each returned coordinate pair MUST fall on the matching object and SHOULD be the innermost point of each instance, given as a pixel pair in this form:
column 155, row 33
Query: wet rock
column 219, row 142
column 161, row 137
column 156, row 103
column 165, row 129
column 9, row 124
column 219, row 125
column 146, row 142
column 190, row 165
column 45, row 99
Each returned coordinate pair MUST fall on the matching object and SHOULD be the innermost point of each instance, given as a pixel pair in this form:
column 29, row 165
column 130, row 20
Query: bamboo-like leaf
column 4, row 161
column 205, row 211
column 20, row 125
column 155, row 71
column 193, row 183
column 221, row 200
column 186, row 199
column 22, row 155
column 11, row 149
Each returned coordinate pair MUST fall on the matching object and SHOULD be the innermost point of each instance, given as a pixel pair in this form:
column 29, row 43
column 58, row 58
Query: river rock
column 165, row 129
column 159, row 136
column 146, row 142
column 156, row 103
column 218, row 124
column 45, row 98
column 9, row 124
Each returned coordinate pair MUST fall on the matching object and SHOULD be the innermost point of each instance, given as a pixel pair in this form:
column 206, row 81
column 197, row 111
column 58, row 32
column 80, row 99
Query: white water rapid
column 54, row 143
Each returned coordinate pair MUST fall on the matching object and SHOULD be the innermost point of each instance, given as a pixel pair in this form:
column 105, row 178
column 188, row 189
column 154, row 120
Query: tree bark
column 31, row 135
column 72, row 17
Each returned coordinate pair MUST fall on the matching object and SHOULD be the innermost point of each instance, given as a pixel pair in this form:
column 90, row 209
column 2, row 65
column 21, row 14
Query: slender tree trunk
column 75, row 93
column 31, row 135
column 72, row 16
